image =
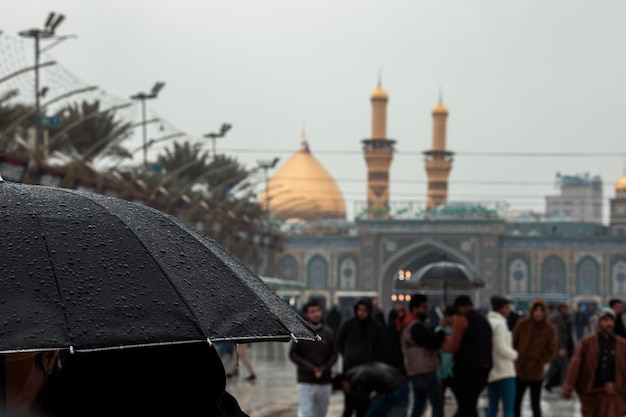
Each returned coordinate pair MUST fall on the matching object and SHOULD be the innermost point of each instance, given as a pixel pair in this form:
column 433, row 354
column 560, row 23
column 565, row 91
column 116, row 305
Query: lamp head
column 52, row 22
column 49, row 21
column 267, row 164
column 57, row 22
column 157, row 87
column 225, row 128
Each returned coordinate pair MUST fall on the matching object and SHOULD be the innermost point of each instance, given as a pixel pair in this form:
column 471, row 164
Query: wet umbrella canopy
column 447, row 275
column 88, row 272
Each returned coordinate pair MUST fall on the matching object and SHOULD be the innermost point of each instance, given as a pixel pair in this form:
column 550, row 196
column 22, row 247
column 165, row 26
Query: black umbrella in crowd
column 446, row 275
column 83, row 271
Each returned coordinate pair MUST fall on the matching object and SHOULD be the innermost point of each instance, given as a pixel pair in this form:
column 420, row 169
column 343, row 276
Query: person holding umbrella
column 471, row 344
column 29, row 378
column 136, row 295
column 178, row 380
column 183, row 379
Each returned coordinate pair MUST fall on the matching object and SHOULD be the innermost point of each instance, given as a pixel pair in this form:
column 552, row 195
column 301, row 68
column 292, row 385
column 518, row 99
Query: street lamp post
column 265, row 165
column 158, row 86
column 47, row 32
column 223, row 129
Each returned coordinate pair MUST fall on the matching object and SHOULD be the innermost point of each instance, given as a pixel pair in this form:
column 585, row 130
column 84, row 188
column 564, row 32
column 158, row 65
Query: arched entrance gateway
column 437, row 270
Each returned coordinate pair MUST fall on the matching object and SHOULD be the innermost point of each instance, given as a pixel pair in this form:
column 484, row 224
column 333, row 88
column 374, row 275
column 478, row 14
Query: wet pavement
column 274, row 392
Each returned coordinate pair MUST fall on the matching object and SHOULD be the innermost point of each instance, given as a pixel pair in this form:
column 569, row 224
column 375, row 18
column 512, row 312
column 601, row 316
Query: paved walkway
column 274, row 392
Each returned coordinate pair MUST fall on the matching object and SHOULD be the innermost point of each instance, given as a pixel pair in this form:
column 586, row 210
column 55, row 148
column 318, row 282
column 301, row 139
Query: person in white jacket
column 501, row 378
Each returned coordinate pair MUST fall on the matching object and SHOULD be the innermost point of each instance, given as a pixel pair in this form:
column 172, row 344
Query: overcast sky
column 539, row 76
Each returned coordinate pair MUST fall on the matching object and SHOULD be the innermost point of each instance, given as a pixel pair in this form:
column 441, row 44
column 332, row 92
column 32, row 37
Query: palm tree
column 215, row 191
column 8, row 114
column 186, row 162
column 90, row 133
column 15, row 140
column 87, row 134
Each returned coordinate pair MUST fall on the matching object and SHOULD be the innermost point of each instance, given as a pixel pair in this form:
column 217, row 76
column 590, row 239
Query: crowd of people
column 409, row 360
column 380, row 363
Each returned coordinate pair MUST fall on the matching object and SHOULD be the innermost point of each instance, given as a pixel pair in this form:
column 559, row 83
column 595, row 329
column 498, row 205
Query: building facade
column 572, row 258
column 579, row 263
column 580, row 199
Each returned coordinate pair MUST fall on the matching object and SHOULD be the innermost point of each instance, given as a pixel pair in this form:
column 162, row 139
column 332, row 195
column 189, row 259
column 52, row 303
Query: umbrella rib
column 54, row 274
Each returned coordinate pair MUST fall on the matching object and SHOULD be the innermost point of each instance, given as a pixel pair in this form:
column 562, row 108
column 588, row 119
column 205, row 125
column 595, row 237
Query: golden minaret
column 438, row 161
column 378, row 153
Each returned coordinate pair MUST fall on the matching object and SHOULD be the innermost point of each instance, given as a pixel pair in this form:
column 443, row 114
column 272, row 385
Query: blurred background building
column 580, row 199
column 296, row 234
column 564, row 254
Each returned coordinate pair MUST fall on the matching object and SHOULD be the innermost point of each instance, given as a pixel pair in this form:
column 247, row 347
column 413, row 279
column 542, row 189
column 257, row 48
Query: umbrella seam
column 51, row 264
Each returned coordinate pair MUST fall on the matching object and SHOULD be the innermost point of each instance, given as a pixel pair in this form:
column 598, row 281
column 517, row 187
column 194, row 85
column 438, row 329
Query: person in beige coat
column 501, row 378
column 535, row 340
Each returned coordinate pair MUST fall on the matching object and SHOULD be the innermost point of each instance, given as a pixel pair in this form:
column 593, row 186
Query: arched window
column 518, row 276
column 317, row 273
column 288, row 268
column 618, row 277
column 553, row 275
column 587, row 274
column 347, row 273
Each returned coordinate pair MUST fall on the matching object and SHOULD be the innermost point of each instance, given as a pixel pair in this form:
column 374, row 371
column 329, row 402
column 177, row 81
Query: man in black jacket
column 470, row 343
column 359, row 340
column 314, row 361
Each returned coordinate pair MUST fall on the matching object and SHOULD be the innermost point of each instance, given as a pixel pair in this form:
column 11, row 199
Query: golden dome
column 440, row 109
column 303, row 189
column 620, row 185
column 379, row 94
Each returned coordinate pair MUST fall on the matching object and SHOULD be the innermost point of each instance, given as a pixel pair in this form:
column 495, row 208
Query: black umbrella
column 445, row 275
column 88, row 272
